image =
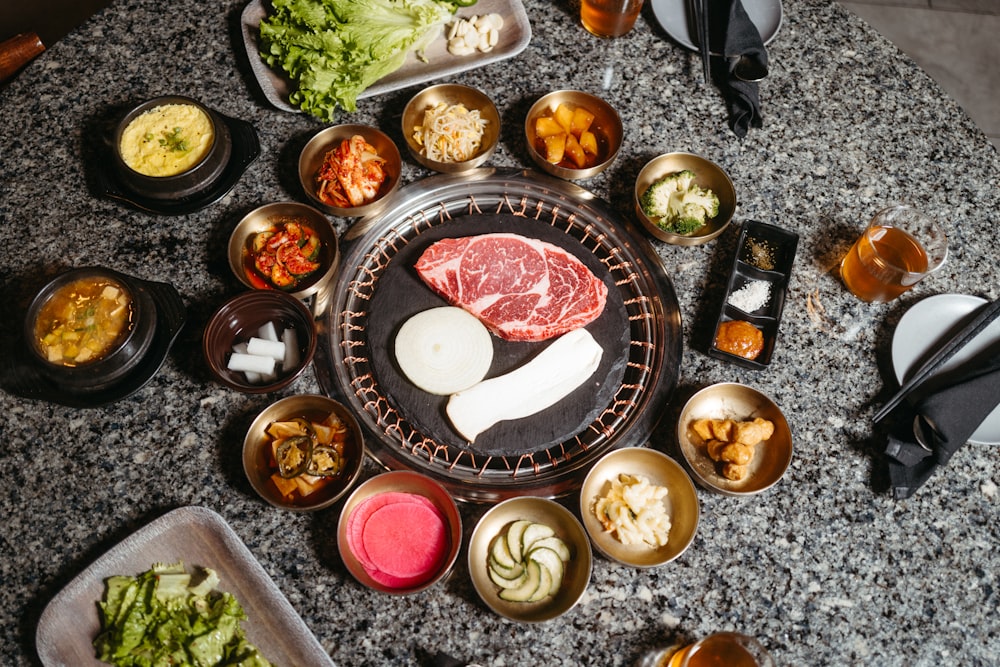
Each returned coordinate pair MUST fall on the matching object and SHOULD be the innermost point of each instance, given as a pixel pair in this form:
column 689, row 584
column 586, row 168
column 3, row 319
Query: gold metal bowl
column 730, row 400
column 607, row 126
column 317, row 285
column 681, row 504
column 257, row 454
column 708, row 175
column 452, row 93
column 400, row 481
column 314, row 153
column 577, row 570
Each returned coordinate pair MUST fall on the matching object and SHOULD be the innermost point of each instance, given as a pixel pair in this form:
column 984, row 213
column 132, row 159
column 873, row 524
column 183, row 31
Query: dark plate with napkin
column 957, row 398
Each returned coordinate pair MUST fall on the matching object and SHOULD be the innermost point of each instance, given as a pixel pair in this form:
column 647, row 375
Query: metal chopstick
column 983, row 318
column 701, row 22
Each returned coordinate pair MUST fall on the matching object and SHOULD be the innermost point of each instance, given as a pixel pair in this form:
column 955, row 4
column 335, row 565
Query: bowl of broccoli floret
column 683, row 198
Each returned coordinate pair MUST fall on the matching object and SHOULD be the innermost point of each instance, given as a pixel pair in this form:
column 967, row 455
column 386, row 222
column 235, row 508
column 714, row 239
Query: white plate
column 514, row 37
column 672, row 15
column 201, row 538
column 919, row 331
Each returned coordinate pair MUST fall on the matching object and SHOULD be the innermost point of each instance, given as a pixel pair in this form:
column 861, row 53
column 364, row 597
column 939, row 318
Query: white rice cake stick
column 266, row 348
column 268, row 332
column 251, row 362
column 252, row 378
column 291, row 342
column 542, row 382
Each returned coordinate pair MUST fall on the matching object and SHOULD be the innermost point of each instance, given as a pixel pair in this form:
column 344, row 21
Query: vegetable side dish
column 528, row 561
column 333, row 51
column 82, row 321
column 351, row 174
column 283, row 255
column 564, row 136
column 633, row 510
column 450, row 132
column 306, row 453
column 165, row 616
column 678, row 204
column 399, row 538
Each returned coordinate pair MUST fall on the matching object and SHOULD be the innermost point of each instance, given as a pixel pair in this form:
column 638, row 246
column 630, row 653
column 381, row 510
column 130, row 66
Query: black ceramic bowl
column 119, row 357
column 240, row 318
column 190, row 180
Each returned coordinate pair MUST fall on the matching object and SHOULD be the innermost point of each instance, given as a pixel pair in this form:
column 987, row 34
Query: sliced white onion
column 444, row 350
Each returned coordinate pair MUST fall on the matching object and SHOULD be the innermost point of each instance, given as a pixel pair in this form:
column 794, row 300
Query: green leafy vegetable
column 163, row 617
column 334, row 50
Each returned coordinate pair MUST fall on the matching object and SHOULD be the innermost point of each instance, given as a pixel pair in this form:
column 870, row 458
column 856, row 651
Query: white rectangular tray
column 514, row 37
column 200, row 538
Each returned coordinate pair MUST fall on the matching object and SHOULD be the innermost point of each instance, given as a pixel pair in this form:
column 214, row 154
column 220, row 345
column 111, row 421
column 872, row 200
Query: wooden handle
column 17, row 52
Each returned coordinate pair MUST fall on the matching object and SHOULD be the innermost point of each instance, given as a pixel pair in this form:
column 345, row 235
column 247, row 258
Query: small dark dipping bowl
column 121, row 356
column 192, row 180
column 240, row 318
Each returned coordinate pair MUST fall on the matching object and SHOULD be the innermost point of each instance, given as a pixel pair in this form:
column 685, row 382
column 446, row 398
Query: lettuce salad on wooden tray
column 166, row 616
column 334, row 49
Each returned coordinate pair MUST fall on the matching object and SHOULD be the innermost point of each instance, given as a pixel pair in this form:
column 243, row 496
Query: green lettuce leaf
column 334, row 50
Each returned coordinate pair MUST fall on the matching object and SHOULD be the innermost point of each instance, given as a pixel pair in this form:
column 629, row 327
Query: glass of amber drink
column 609, row 18
column 730, row 649
column 899, row 247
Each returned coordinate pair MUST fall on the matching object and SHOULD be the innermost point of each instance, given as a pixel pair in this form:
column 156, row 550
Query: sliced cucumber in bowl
column 528, row 562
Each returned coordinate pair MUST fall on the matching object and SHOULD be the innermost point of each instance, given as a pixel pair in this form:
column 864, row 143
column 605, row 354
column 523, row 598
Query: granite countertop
column 826, row 568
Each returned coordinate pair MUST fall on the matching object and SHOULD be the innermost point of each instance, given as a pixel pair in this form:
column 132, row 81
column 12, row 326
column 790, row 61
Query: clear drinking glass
column 899, row 247
column 609, row 18
column 725, row 648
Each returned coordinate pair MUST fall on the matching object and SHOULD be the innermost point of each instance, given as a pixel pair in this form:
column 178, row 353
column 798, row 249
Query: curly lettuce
column 165, row 617
column 335, row 49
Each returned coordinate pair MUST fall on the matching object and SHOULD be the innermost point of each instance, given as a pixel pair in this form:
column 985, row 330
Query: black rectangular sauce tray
column 762, row 265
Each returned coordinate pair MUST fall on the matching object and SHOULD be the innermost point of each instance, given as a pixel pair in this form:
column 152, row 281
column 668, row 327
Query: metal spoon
column 748, row 69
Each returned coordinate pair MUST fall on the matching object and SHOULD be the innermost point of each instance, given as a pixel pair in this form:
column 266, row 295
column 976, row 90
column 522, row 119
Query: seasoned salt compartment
column 746, row 330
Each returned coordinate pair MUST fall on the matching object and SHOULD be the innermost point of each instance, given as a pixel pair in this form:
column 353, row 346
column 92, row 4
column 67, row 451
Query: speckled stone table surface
column 826, row 568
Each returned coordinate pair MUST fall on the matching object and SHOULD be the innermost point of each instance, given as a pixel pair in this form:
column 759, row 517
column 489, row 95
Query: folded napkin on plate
column 739, row 37
column 951, row 413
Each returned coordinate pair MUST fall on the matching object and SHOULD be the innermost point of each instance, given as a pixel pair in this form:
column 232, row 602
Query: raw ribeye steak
column 521, row 288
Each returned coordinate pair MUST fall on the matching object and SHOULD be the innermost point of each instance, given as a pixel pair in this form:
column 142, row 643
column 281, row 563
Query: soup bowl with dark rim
column 116, row 357
column 167, row 182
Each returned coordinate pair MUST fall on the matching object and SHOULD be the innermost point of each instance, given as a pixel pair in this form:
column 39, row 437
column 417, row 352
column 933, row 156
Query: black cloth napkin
column 951, row 412
column 730, row 26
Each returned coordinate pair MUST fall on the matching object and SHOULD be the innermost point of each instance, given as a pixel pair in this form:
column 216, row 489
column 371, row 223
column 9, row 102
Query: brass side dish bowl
column 239, row 319
column 576, row 570
column 193, row 179
column 606, row 127
column 708, row 174
column 391, row 485
column 314, row 153
column 451, row 94
column 681, row 503
column 730, row 400
column 258, row 454
column 315, row 286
